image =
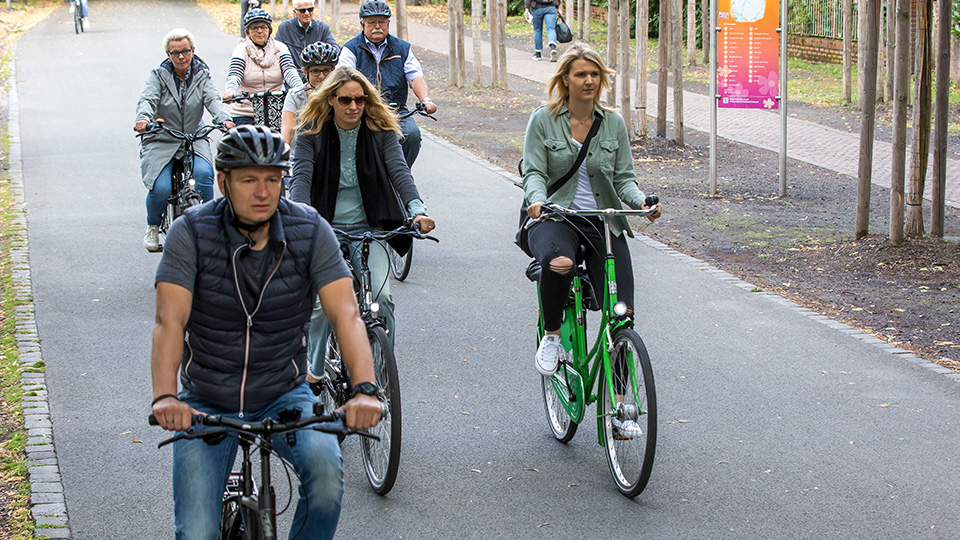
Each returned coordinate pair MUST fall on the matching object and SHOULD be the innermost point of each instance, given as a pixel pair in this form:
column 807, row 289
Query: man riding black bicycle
column 236, row 285
column 389, row 63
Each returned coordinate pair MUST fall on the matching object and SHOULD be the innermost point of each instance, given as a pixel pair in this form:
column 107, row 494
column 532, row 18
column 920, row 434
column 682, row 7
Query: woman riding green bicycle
column 557, row 169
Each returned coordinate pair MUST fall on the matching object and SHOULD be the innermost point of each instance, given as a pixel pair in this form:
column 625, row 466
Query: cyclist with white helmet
column 236, row 285
column 259, row 64
column 389, row 63
column 318, row 60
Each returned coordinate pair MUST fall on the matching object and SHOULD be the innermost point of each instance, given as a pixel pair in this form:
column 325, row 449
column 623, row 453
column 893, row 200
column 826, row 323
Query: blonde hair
column 176, row 35
column 577, row 51
column 318, row 110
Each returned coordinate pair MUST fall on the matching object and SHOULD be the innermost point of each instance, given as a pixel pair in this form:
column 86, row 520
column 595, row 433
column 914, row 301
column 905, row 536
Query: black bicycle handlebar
column 407, row 229
column 420, row 109
column 548, row 208
column 160, row 127
column 250, row 96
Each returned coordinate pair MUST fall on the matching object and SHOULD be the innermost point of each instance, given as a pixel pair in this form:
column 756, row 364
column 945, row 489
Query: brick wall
column 816, row 49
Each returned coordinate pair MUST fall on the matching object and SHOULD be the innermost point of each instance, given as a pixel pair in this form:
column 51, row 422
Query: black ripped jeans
column 551, row 239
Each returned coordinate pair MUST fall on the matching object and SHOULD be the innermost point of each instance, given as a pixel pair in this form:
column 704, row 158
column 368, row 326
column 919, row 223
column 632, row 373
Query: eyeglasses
column 304, row 10
column 384, row 23
column 347, row 100
column 258, row 28
column 184, row 53
column 316, row 72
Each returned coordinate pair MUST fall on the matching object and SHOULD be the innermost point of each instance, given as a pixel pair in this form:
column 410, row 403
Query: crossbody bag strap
column 597, row 120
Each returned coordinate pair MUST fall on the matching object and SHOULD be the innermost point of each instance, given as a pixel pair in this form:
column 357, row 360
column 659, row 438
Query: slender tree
column 403, row 31
column 692, row 32
column 940, row 115
column 335, row 15
column 869, row 39
column 663, row 55
column 452, row 59
column 891, row 6
column 612, row 35
column 901, row 91
column 570, row 14
column 705, row 29
column 476, row 14
column 493, row 15
column 861, row 23
column 643, row 26
column 847, row 50
column 677, row 40
column 881, row 53
column 921, row 120
column 625, row 62
column 502, row 41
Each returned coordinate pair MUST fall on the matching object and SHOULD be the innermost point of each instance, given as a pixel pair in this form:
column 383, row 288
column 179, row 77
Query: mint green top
column 349, row 209
column 549, row 151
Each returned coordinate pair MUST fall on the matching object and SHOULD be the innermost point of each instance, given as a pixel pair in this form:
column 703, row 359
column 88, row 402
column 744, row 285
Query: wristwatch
column 367, row 388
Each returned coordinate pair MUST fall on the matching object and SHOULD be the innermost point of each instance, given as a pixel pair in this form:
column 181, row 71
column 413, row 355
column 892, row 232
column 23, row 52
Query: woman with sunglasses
column 349, row 166
column 259, row 64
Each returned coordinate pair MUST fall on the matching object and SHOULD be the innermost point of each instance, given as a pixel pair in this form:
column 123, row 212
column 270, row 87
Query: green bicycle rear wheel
column 630, row 456
column 561, row 425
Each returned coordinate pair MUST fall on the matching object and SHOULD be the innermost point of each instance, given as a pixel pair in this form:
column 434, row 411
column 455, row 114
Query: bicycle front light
column 620, row 309
column 375, row 308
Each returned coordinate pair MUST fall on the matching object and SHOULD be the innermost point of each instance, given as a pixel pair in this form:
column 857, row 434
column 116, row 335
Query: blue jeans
column 410, row 143
column 379, row 264
column 544, row 15
column 200, row 473
column 157, row 197
column 85, row 12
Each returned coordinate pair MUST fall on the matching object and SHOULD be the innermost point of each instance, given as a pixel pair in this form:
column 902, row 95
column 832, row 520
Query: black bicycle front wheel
column 381, row 459
column 332, row 387
column 400, row 264
column 629, row 413
column 76, row 17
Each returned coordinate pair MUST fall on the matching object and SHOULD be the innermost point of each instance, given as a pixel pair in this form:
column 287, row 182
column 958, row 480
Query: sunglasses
column 304, row 10
column 347, row 100
column 184, row 53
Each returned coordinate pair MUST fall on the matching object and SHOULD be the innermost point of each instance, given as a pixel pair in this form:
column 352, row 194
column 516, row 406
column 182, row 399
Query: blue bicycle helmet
column 257, row 15
column 320, row 54
column 374, row 7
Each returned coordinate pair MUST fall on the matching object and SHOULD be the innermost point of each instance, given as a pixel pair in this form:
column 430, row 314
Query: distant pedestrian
column 245, row 6
column 302, row 30
column 543, row 13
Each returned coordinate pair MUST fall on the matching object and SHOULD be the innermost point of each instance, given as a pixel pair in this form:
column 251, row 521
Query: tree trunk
column 847, row 50
column 692, row 32
column 321, row 8
column 570, row 15
column 490, row 14
column 663, row 52
column 940, row 123
column 643, row 26
column 476, row 14
column 502, row 41
column 493, row 17
column 403, row 31
column 452, row 42
column 625, row 63
column 705, row 29
column 612, row 35
column 461, row 45
column 868, row 51
column 677, row 36
column 861, row 23
column 273, row 9
column 891, row 6
column 335, row 15
column 283, row 9
column 881, row 53
column 921, row 121
column 901, row 90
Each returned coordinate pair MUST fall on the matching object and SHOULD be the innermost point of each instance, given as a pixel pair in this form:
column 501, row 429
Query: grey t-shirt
column 296, row 100
column 179, row 262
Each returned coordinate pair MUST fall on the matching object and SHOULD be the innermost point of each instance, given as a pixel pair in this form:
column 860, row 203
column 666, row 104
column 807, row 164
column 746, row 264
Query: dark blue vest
column 243, row 351
column 387, row 75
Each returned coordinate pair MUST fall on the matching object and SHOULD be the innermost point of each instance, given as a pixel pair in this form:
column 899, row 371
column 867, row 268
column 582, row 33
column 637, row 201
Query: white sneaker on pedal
column 151, row 240
column 626, row 429
column 549, row 354
column 86, row 23
column 72, row 7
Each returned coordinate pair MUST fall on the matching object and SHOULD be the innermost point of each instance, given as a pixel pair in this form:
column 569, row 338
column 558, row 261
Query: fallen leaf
column 531, row 469
column 572, row 485
column 137, row 441
column 475, row 470
column 885, row 405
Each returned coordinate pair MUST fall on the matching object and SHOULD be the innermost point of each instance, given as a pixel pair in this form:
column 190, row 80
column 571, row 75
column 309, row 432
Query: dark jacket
column 385, row 180
column 242, row 352
column 387, row 75
column 292, row 34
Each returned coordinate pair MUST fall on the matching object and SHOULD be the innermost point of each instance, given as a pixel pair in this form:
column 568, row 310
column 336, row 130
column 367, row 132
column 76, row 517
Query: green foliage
column 956, row 20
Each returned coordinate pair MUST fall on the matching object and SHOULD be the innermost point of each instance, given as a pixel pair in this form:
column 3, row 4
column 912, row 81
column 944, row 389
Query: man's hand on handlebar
column 173, row 414
column 425, row 223
column 429, row 106
column 141, row 126
column 362, row 411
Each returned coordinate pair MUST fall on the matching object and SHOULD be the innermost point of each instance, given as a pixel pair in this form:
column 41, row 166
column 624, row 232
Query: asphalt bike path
column 774, row 422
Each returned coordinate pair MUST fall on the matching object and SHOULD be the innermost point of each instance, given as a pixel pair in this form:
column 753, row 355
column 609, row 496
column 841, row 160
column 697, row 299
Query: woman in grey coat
column 177, row 91
column 349, row 166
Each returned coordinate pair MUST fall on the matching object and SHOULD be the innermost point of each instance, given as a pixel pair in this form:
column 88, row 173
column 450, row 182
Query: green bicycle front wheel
column 381, row 459
column 628, row 419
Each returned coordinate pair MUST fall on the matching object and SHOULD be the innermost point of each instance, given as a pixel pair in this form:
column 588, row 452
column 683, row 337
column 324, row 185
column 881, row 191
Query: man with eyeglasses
column 389, row 63
column 302, row 30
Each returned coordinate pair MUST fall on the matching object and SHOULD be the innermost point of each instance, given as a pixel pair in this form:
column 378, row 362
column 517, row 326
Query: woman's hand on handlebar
column 227, row 95
column 425, row 223
column 534, row 210
column 362, row 411
column 173, row 414
column 653, row 217
column 229, row 125
column 141, row 126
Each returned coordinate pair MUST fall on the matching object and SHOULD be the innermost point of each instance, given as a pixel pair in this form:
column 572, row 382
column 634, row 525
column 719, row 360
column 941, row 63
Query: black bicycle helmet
column 320, row 54
column 249, row 146
column 257, row 15
column 374, row 7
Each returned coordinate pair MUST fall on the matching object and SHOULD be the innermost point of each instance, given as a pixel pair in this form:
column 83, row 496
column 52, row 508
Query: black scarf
column 381, row 203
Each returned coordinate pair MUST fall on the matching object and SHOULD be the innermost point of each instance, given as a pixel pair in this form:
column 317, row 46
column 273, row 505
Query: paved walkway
column 806, row 141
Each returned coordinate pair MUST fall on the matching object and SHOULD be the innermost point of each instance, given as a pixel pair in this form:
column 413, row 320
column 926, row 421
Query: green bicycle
column 617, row 363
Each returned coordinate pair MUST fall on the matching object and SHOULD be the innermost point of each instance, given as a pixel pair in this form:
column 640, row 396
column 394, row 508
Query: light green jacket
column 549, row 152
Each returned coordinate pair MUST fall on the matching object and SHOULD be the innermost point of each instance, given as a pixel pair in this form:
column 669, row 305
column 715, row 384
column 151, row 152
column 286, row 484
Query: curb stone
column 47, row 503
column 726, row 277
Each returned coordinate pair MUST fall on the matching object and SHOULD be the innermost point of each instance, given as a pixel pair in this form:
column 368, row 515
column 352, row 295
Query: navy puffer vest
column 242, row 352
column 388, row 75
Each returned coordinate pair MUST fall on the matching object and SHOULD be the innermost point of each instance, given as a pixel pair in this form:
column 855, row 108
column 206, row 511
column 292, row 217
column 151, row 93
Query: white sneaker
column 72, row 7
column 151, row 240
column 627, row 429
column 549, row 354
column 553, row 53
column 86, row 23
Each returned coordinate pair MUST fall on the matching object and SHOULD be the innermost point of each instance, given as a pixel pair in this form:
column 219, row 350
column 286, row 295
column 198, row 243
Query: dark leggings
column 551, row 239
